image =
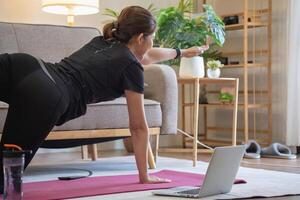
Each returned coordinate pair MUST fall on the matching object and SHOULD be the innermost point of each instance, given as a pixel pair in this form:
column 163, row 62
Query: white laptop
column 219, row 178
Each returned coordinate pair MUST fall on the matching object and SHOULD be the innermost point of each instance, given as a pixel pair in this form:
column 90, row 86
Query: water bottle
column 13, row 167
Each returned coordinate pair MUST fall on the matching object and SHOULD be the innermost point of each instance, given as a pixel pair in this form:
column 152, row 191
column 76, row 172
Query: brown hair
column 132, row 20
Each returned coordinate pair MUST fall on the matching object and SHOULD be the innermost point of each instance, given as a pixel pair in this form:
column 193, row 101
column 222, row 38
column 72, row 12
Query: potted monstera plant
column 177, row 29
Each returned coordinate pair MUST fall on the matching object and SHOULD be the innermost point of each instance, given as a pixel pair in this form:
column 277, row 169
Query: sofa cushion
column 30, row 38
column 104, row 115
column 8, row 42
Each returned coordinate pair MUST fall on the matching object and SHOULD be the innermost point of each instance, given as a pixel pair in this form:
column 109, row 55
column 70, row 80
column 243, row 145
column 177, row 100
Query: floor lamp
column 71, row 8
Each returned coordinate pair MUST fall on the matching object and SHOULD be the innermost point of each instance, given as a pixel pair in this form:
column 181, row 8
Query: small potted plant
column 213, row 68
column 226, row 98
column 226, row 95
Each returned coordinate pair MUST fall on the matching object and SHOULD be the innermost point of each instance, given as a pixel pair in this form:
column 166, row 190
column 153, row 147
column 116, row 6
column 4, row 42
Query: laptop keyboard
column 192, row 191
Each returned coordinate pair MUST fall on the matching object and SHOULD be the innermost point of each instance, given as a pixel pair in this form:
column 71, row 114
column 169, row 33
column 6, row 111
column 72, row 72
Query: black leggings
column 35, row 103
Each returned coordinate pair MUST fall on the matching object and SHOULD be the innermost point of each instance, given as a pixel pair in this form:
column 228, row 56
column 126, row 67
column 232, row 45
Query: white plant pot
column 192, row 67
column 213, row 73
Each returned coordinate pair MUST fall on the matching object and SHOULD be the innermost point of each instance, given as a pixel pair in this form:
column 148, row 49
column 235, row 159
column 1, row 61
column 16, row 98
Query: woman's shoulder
column 97, row 40
column 129, row 56
column 126, row 59
column 117, row 52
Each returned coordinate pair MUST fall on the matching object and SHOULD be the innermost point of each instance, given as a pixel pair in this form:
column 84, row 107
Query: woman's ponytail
column 132, row 20
column 108, row 30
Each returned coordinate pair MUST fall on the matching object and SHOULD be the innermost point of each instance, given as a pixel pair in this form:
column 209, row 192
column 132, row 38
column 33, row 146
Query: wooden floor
column 291, row 166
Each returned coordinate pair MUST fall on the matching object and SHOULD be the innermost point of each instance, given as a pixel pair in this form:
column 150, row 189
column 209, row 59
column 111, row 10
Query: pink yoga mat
column 101, row 185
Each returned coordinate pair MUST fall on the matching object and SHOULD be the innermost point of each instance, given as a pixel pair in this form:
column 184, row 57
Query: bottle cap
column 14, row 151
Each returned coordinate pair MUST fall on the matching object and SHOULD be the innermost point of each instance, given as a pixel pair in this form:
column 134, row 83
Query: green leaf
column 185, row 6
column 215, row 25
column 115, row 14
column 152, row 9
column 111, row 13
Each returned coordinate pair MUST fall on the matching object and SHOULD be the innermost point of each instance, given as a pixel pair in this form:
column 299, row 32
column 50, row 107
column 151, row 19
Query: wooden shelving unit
column 259, row 19
column 249, row 65
column 254, row 98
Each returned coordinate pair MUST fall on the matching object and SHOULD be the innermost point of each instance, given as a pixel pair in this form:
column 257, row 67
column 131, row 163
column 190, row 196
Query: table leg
column 235, row 110
column 195, row 119
column 183, row 114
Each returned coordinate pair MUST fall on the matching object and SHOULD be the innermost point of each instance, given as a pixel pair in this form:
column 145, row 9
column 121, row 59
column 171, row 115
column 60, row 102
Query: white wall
column 29, row 11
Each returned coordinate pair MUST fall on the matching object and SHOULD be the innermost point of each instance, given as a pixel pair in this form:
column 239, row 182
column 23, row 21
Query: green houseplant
column 177, row 29
column 226, row 97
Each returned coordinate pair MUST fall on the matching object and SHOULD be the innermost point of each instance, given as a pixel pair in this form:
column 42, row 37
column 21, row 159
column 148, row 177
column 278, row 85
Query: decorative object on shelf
column 71, row 8
column 238, row 62
column 213, row 68
column 202, row 96
column 176, row 29
column 224, row 60
column 228, row 20
column 226, row 95
column 255, row 18
column 213, row 73
column 192, row 67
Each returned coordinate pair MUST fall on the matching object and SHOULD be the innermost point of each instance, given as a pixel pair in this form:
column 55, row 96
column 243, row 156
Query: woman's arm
column 155, row 55
column 140, row 135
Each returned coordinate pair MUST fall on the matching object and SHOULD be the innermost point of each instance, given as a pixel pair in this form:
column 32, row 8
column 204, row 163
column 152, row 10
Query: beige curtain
column 293, row 89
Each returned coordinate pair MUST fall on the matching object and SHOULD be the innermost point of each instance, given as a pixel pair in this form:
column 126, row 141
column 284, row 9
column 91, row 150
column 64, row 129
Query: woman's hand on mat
column 154, row 179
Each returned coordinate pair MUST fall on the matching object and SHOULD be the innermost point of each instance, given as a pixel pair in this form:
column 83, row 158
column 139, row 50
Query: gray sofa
column 102, row 120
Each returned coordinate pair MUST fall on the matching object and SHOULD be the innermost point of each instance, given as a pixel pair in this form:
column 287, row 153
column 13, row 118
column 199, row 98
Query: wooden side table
column 195, row 82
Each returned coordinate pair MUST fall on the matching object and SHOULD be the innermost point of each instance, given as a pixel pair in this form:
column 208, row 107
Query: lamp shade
column 71, row 7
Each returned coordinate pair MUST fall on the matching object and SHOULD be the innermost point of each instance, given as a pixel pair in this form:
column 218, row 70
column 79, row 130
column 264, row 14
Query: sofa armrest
column 161, row 86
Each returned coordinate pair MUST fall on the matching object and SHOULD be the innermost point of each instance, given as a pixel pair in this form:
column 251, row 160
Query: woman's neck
column 133, row 50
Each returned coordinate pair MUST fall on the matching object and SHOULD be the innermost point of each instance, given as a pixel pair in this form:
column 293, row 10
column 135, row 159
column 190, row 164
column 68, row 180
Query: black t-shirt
column 100, row 71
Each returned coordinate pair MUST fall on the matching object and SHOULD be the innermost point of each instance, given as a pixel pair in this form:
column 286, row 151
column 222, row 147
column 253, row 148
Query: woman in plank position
column 41, row 95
